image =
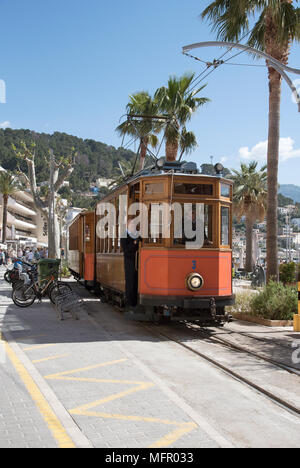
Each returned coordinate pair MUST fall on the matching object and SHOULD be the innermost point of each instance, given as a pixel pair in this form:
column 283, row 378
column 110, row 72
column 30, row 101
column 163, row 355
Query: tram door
column 133, row 199
column 88, row 250
column 81, row 245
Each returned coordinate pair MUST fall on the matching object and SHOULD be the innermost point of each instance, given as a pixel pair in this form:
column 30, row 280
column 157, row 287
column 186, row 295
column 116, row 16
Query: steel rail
column 286, row 405
column 237, row 347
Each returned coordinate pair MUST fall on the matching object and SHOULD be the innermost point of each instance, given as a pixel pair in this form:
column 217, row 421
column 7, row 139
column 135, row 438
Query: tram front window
column 196, row 229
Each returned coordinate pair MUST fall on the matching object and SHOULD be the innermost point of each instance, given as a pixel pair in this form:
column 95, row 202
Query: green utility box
column 46, row 268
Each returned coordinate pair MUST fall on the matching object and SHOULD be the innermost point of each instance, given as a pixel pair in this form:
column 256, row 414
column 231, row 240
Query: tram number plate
column 194, row 263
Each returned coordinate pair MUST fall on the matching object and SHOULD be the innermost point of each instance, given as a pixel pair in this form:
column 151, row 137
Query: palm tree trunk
column 144, row 146
column 171, row 151
column 273, row 159
column 249, row 244
column 4, row 221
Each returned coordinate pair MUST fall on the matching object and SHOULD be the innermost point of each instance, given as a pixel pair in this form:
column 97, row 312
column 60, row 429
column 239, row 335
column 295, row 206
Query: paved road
column 105, row 382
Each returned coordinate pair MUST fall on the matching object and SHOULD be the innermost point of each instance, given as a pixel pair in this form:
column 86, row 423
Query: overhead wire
column 218, row 62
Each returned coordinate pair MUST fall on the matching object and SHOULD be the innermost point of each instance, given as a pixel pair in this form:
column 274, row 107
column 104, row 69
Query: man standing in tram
column 130, row 247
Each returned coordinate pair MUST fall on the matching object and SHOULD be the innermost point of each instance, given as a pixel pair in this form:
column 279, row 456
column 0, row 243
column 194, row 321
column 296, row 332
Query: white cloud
column 5, row 124
column 258, row 152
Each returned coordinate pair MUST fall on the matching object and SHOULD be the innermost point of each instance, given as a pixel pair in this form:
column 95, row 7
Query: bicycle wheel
column 24, row 296
column 7, row 277
column 57, row 289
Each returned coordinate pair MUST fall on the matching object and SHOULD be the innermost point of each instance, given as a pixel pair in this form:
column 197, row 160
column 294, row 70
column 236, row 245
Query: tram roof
column 150, row 173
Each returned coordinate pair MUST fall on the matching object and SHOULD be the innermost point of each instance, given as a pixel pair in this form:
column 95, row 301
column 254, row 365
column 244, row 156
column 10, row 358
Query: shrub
column 275, row 302
column 287, row 272
column 65, row 272
column 242, row 303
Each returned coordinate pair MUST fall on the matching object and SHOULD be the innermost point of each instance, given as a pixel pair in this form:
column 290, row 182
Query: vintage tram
column 177, row 279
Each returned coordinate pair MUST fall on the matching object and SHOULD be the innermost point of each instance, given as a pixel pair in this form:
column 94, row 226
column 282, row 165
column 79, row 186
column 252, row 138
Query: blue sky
column 69, row 66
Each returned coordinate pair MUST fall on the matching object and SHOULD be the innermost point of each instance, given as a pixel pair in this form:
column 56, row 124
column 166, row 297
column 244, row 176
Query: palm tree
column 145, row 129
column 187, row 142
column 127, row 170
column 179, row 102
column 250, row 200
column 8, row 187
column 277, row 26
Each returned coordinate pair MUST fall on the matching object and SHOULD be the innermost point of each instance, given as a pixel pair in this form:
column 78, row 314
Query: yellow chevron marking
column 85, row 410
column 50, row 358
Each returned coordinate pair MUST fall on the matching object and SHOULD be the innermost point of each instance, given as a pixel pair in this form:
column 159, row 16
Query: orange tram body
column 175, row 281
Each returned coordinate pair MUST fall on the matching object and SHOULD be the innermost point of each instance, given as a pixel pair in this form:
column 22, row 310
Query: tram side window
column 206, row 223
column 193, row 189
column 154, row 188
column 155, row 224
column 225, row 190
column 224, row 225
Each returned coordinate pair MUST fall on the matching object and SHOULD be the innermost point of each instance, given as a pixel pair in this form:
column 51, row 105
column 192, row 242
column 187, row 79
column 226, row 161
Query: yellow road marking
column 59, row 433
column 116, row 396
column 32, row 348
column 84, row 410
column 173, row 436
column 166, row 441
column 60, row 375
column 36, row 361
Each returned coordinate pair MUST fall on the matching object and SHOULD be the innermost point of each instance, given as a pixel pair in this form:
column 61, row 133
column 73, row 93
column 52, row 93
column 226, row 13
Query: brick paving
column 109, row 398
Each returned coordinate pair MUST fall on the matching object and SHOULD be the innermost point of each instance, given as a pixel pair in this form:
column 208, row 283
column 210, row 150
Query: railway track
column 218, row 339
column 276, row 398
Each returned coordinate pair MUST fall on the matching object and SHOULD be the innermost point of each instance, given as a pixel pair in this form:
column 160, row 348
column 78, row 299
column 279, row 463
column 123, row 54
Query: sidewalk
column 68, row 384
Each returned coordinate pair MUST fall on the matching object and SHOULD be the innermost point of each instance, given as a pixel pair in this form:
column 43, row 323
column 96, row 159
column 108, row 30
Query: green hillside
column 95, row 159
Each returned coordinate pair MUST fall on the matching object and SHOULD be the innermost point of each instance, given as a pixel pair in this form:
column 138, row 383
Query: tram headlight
column 194, row 282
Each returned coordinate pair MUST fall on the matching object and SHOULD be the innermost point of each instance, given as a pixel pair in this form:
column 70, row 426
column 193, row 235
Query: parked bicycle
column 24, row 295
column 14, row 272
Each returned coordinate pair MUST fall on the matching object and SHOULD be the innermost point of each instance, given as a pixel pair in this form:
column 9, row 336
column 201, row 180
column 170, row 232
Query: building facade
column 25, row 225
